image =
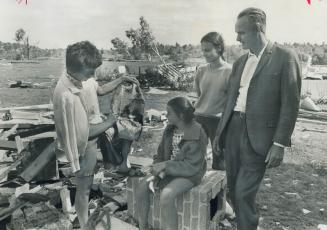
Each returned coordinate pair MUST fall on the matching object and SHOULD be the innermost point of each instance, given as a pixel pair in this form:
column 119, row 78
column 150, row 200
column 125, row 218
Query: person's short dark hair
column 216, row 40
column 82, row 54
column 183, row 108
column 257, row 17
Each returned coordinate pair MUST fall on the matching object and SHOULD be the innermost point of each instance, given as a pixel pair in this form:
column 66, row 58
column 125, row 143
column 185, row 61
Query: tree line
column 141, row 44
column 16, row 51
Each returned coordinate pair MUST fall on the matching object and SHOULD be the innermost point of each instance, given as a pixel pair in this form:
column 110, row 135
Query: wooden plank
column 9, row 132
column 19, row 144
column 314, row 130
column 24, row 133
column 313, row 112
column 312, row 121
column 37, row 165
column 65, row 200
column 12, row 145
column 119, row 224
column 8, row 145
column 4, row 213
column 40, row 136
column 29, row 107
column 140, row 161
column 16, row 114
column 322, row 116
column 12, row 166
column 173, row 69
column 24, row 123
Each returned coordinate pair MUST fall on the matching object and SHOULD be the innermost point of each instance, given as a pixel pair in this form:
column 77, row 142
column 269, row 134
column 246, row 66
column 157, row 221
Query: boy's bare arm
column 97, row 129
column 109, row 87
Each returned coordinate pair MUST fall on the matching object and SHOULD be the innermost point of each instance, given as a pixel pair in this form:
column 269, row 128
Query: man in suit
column 260, row 114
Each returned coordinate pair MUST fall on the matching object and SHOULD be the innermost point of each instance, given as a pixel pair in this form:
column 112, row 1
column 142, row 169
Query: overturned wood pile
column 313, row 117
column 37, row 185
column 178, row 78
column 321, row 116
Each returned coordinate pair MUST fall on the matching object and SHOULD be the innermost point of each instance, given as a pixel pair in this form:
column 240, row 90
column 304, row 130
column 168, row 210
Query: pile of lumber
column 313, row 117
column 27, row 157
column 25, row 130
column 178, row 79
column 36, row 185
column 321, row 116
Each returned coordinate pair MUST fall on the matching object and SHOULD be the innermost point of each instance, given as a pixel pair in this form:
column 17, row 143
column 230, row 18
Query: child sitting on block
column 179, row 164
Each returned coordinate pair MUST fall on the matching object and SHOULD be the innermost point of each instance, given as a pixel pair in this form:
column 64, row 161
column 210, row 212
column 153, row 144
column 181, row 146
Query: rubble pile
column 37, row 187
column 181, row 79
column 168, row 75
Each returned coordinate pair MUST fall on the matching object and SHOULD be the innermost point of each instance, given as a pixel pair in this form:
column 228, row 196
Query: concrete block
column 193, row 207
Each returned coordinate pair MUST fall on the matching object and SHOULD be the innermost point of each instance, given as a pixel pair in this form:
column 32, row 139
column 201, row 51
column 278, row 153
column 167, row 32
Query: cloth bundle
column 128, row 106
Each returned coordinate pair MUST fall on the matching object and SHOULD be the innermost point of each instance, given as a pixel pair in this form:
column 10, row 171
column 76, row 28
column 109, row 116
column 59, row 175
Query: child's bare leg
column 167, row 201
column 126, row 148
column 83, row 187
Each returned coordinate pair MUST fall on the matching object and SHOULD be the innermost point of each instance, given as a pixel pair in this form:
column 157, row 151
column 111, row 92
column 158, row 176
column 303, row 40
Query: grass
column 293, row 188
column 303, row 174
column 299, row 183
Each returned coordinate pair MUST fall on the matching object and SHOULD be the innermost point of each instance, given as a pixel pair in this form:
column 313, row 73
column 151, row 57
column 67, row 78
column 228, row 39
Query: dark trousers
column 210, row 125
column 245, row 170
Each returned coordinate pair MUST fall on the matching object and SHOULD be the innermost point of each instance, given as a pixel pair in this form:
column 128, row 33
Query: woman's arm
column 157, row 158
column 198, row 76
column 196, row 86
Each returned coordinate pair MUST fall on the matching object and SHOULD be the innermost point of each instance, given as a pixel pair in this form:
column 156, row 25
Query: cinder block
column 195, row 223
column 130, row 202
column 193, row 207
column 187, row 214
column 156, row 206
column 129, row 183
column 186, row 196
column 195, row 204
column 180, row 221
column 180, row 204
column 135, row 210
column 150, row 217
column 204, row 211
column 156, row 224
column 206, row 193
column 216, row 187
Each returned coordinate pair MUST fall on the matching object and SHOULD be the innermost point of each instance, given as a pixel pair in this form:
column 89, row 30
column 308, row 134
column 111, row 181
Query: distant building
column 316, row 72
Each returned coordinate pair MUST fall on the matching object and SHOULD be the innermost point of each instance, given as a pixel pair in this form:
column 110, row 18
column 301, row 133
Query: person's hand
column 130, row 80
column 275, row 156
column 157, row 168
column 110, row 121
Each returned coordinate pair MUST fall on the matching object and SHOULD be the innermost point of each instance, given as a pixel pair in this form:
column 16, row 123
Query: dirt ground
column 286, row 192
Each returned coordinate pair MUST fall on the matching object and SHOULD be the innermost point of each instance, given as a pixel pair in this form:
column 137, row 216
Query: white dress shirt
column 249, row 69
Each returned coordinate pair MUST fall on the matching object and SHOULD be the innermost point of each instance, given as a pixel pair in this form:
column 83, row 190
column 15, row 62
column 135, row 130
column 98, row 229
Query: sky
column 57, row 23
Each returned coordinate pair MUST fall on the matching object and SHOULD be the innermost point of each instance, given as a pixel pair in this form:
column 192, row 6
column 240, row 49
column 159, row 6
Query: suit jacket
column 272, row 100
